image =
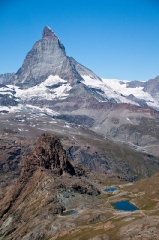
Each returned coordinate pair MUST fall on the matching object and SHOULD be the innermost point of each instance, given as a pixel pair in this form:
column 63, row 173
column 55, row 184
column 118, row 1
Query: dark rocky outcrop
column 141, row 102
column 134, row 84
column 39, row 191
column 7, row 96
column 48, row 154
column 8, row 100
column 152, row 87
column 13, row 149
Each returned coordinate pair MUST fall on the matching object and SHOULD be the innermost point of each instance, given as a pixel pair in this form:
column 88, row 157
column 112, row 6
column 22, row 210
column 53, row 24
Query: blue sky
column 113, row 38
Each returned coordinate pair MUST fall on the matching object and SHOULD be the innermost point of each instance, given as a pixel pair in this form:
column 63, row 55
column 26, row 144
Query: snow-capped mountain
column 46, row 58
column 51, row 83
column 48, row 74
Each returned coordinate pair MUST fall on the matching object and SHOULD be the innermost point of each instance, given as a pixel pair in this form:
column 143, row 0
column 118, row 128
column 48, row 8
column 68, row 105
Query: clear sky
column 113, row 38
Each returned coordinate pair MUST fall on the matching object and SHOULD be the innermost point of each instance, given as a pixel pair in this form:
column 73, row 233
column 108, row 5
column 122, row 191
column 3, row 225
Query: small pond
column 73, row 212
column 111, row 189
column 69, row 212
column 125, row 206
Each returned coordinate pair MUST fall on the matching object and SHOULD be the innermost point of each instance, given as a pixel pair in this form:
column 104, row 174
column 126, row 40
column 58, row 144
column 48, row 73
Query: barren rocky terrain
column 39, row 203
column 82, row 145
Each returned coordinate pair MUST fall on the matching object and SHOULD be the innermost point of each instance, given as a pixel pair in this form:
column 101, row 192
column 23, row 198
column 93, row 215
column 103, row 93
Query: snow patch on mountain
column 53, row 87
column 6, row 90
column 108, row 91
column 28, row 108
column 120, row 86
column 51, row 80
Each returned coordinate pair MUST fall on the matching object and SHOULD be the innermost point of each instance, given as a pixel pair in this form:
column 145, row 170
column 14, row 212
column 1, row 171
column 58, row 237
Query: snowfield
column 44, row 90
column 56, row 88
column 120, row 86
column 28, row 108
column 109, row 92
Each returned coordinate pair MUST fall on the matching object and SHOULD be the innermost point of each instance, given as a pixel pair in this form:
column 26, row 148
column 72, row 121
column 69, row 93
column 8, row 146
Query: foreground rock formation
column 37, row 205
column 47, row 185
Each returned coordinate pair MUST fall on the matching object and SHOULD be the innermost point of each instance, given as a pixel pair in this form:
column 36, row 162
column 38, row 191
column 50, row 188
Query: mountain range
column 48, row 73
column 65, row 136
column 52, row 83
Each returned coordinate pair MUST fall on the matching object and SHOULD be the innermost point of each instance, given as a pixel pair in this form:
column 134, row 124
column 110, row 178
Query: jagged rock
column 152, row 87
column 48, row 57
column 49, row 154
column 141, row 102
column 5, row 78
column 7, row 97
column 37, row 193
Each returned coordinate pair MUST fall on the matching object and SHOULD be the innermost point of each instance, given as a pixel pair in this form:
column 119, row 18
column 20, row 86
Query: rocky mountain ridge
column 5, row 78
column 48, row 70
column 40, row 202
column 141, row 93
column 45, row 177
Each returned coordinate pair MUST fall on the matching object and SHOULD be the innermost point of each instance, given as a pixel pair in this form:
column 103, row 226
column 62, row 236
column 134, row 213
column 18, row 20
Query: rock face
column 5, row 78
column 7, row 96
column 46, row 182
column 13, row 150
column 48, row 154
column 141, row 102
column 152, row 87
column 48, row 57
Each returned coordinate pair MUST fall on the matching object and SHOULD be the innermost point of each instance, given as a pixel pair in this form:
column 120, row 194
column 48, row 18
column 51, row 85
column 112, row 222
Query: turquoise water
column 112, row 189
column 73, row 212
column 69, row 212
column 125, row 206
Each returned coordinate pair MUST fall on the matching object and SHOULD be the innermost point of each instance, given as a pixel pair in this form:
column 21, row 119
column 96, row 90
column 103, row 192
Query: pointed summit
column 48, row 57
column 47, row 32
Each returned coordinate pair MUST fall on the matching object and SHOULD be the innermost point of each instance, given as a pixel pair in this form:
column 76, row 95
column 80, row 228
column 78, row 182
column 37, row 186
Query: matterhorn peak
column 48, row 57
column 47, row 32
